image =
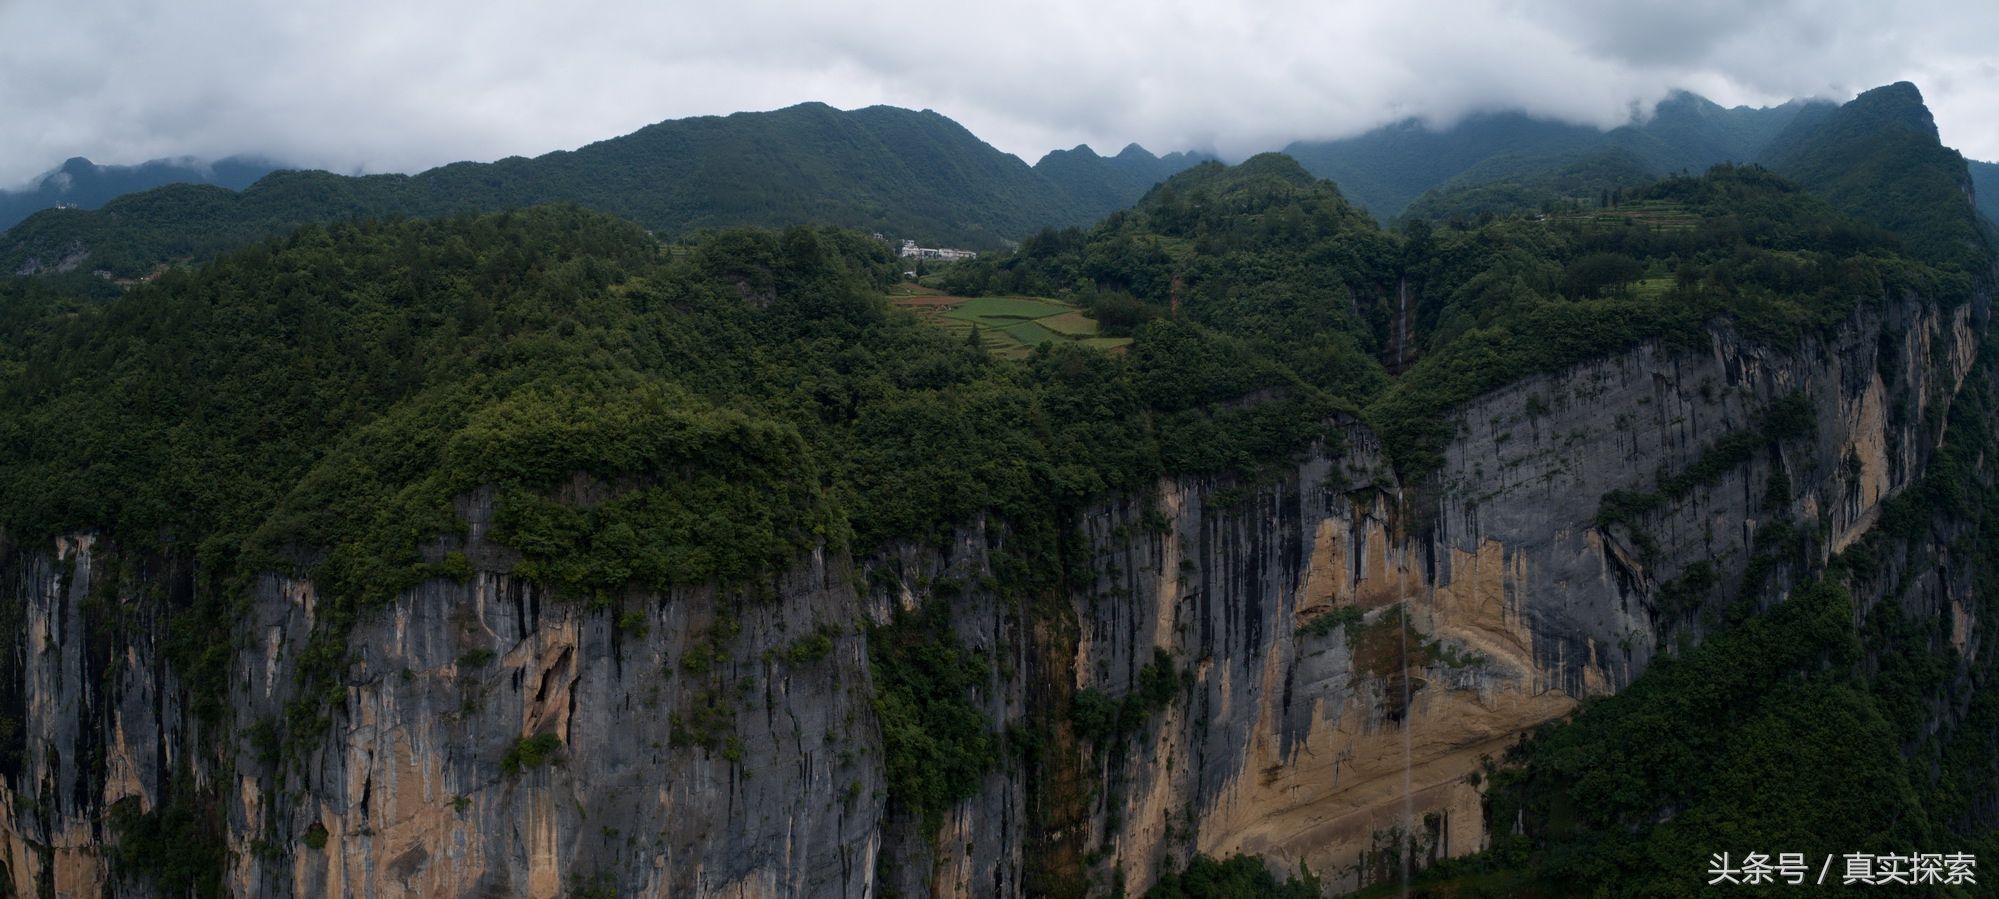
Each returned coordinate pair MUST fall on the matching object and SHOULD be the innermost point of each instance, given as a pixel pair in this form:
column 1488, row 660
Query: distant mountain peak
column 1879, row 158
column 1213, row 174
column 1900, row 103
column 1134, row 151
column 1133, row 156
column 1686, row 103
column 1275, row 164
column 80, row 183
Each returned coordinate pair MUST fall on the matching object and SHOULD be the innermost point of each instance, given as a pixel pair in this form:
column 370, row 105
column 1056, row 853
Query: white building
column 911, row 251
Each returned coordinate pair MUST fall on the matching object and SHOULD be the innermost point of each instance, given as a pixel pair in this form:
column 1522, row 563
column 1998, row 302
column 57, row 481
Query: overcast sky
column 401, row 85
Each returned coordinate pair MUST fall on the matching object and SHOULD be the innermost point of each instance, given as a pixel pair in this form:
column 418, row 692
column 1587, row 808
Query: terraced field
column 1655, row 215
column 1008, row 326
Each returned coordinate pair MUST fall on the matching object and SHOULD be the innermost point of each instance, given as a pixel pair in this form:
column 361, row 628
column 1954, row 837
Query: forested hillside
column 376, row 348
column 1878, row 159
column 1267, row 253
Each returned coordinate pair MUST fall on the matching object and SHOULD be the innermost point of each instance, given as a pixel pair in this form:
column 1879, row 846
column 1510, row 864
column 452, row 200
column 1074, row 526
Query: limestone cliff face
column 691, row 761
column 1492, row 606
column 1349, row 651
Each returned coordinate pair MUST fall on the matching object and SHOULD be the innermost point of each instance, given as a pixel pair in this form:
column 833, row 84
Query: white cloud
column 387, row 85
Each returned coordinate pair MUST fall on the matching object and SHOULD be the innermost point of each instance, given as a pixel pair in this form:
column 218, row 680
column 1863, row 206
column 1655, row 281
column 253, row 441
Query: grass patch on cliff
column 1325, row 623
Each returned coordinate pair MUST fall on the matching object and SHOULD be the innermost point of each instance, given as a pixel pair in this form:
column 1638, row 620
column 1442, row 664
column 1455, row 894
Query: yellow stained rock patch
column 1326, row 578
column 1867, row 422
column 1357, row 773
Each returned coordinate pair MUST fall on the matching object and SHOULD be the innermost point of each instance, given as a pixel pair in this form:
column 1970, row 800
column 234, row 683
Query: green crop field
column 1008, row 326
column 1652, row 288
column 1020, row 308
column 1652, row 215
column 1070, row 324
column 1030, row 333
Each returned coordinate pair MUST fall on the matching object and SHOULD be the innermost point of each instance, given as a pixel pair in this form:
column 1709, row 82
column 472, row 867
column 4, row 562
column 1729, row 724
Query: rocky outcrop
column 64, row 260
column 1348, row 651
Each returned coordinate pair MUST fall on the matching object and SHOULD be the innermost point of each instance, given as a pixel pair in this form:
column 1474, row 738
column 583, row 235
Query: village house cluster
column 911, row 251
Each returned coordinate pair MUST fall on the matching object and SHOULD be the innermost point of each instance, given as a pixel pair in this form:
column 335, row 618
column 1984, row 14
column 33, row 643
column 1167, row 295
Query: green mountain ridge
column 1509, row 183
column 83, row 184
column 1386, row 169
column 920, row 175
column 1389, row 169
column 1879, row 159
column 1112, row 182
column 901, row 172
column 1985, row 180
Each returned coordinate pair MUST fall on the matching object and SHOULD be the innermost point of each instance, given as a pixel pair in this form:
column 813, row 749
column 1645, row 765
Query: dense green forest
column 908, row 174
column 1238, row 877
column 1266, row 253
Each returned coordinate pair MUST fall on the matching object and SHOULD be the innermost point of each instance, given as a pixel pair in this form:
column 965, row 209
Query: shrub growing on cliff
column 530, row 752
column 1325, row 623
column 1237, row 877
column 1755, row 737
column 178, row 845
column 937, row 742
column 808, row 649
column 1097, row 716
